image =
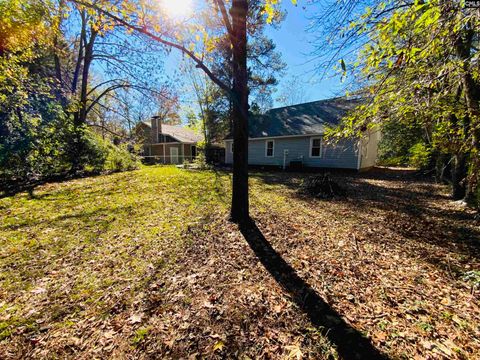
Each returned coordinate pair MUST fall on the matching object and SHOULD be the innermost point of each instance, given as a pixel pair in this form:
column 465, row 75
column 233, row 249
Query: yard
column 145, row 264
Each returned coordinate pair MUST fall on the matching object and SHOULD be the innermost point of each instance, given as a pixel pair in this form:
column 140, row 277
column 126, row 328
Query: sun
column 176, row 8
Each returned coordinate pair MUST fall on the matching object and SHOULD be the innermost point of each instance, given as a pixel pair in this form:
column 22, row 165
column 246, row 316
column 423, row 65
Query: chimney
column 156, row 129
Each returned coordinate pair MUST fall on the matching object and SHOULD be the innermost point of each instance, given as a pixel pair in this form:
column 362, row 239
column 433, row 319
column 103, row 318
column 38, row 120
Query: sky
column 295, row 44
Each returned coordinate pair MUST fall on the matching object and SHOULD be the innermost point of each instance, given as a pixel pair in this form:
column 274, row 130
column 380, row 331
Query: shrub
column 200, row 161
column 394, row 161
column 120, row 159
column 419, row 155
column 102, row 155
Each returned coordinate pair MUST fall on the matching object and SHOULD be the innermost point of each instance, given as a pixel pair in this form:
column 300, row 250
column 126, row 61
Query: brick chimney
column 156, row 129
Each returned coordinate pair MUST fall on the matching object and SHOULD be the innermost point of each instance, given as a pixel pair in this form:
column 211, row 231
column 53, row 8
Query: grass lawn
column 145, row 264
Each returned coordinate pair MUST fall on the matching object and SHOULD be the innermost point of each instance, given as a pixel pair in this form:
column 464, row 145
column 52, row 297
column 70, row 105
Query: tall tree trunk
column 239, row 211
column 80, row 116
column 459, row 172
column 472, row 96
column 80, row 56
column 87, row 61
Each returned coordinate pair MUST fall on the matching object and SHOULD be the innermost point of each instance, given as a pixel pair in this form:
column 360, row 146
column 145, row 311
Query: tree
column 136, row 17
column 417, row 66
column 168, row 108
column 292, row 92
column 214, row 107
column 31, row 120
column 46, row 93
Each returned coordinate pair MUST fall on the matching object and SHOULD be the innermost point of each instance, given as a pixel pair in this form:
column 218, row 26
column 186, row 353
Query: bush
column 200, row 161
column 102, row 155
column 394, row 161
column 120, row 159
column 419, row 155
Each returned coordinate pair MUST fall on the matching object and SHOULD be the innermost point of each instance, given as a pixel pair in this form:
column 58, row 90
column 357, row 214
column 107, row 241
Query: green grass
column 127, row 264
column 79, row 248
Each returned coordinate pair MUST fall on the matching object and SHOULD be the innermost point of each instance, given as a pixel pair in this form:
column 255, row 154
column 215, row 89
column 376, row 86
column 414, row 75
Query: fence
column 167, row 159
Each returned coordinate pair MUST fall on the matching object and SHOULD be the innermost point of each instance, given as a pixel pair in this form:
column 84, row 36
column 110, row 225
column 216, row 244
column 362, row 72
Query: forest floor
column 145, row 264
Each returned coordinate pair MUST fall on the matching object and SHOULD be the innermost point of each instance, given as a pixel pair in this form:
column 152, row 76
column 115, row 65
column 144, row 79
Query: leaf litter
column 157, row 270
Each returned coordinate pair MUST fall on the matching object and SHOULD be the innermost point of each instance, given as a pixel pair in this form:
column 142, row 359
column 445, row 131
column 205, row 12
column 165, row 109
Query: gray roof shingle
column 301, row 119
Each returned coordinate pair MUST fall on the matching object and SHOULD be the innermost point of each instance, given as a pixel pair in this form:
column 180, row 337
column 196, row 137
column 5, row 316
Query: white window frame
column 311, row 147
column 273, row 148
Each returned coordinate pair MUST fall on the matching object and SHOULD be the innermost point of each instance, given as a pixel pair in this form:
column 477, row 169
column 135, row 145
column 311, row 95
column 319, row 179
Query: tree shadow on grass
column 349, row 342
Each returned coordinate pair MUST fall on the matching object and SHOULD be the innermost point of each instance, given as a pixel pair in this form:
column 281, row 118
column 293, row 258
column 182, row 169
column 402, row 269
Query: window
column 269, row 144
column 315, row 147
column 231, row 147
column 194, row 151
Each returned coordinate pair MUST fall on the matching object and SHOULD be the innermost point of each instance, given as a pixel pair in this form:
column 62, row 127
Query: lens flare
column 176, row 8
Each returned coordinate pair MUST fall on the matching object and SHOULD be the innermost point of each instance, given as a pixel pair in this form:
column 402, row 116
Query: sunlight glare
column 177, row 8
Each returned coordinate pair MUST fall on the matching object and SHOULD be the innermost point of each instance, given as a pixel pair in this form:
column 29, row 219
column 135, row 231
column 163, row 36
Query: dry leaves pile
column 392, row 258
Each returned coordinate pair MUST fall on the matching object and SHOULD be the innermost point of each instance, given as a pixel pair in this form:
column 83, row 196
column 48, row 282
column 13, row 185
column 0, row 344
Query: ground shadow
column 350, row 343
column 409, row 194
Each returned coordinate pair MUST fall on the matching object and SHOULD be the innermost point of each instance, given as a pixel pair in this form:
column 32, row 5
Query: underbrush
column 62, row 161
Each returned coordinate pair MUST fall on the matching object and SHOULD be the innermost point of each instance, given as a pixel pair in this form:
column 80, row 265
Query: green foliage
column 200, row 161
column 421, row 74
column 121, row 159
column 397, row 140
column 38, row 138
column 140, row 335
column 420, row 155
column 102, row 155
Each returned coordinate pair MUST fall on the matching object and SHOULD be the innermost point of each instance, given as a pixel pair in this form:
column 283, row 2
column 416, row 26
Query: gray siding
column 344, row 155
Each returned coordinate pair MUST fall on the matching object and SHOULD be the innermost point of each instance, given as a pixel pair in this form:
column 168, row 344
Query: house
column 293, row 136
column 168, row 144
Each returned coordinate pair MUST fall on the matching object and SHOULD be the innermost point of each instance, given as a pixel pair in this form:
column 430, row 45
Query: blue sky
column 295, row 44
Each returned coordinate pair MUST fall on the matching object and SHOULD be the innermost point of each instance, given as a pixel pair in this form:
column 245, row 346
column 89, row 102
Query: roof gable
column 179, row 133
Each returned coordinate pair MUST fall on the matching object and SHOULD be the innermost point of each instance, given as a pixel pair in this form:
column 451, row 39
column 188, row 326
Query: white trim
column 273, row 148
column 231, row 147
column 311, row 147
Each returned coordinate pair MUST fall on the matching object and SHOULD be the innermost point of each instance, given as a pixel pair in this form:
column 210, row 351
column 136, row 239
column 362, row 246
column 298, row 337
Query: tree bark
column 80, row 116
column 78, row 64
column 459, row 172
column 239, row 211
column 472, row 96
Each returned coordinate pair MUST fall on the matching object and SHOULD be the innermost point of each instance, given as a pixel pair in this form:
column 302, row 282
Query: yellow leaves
column 270, row 9
column 219, row 345
column 294, row 352
column 24, row 24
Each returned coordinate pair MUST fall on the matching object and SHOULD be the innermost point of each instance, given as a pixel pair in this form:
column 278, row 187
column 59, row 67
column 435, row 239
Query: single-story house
column 293, row 136
column 168, row 144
